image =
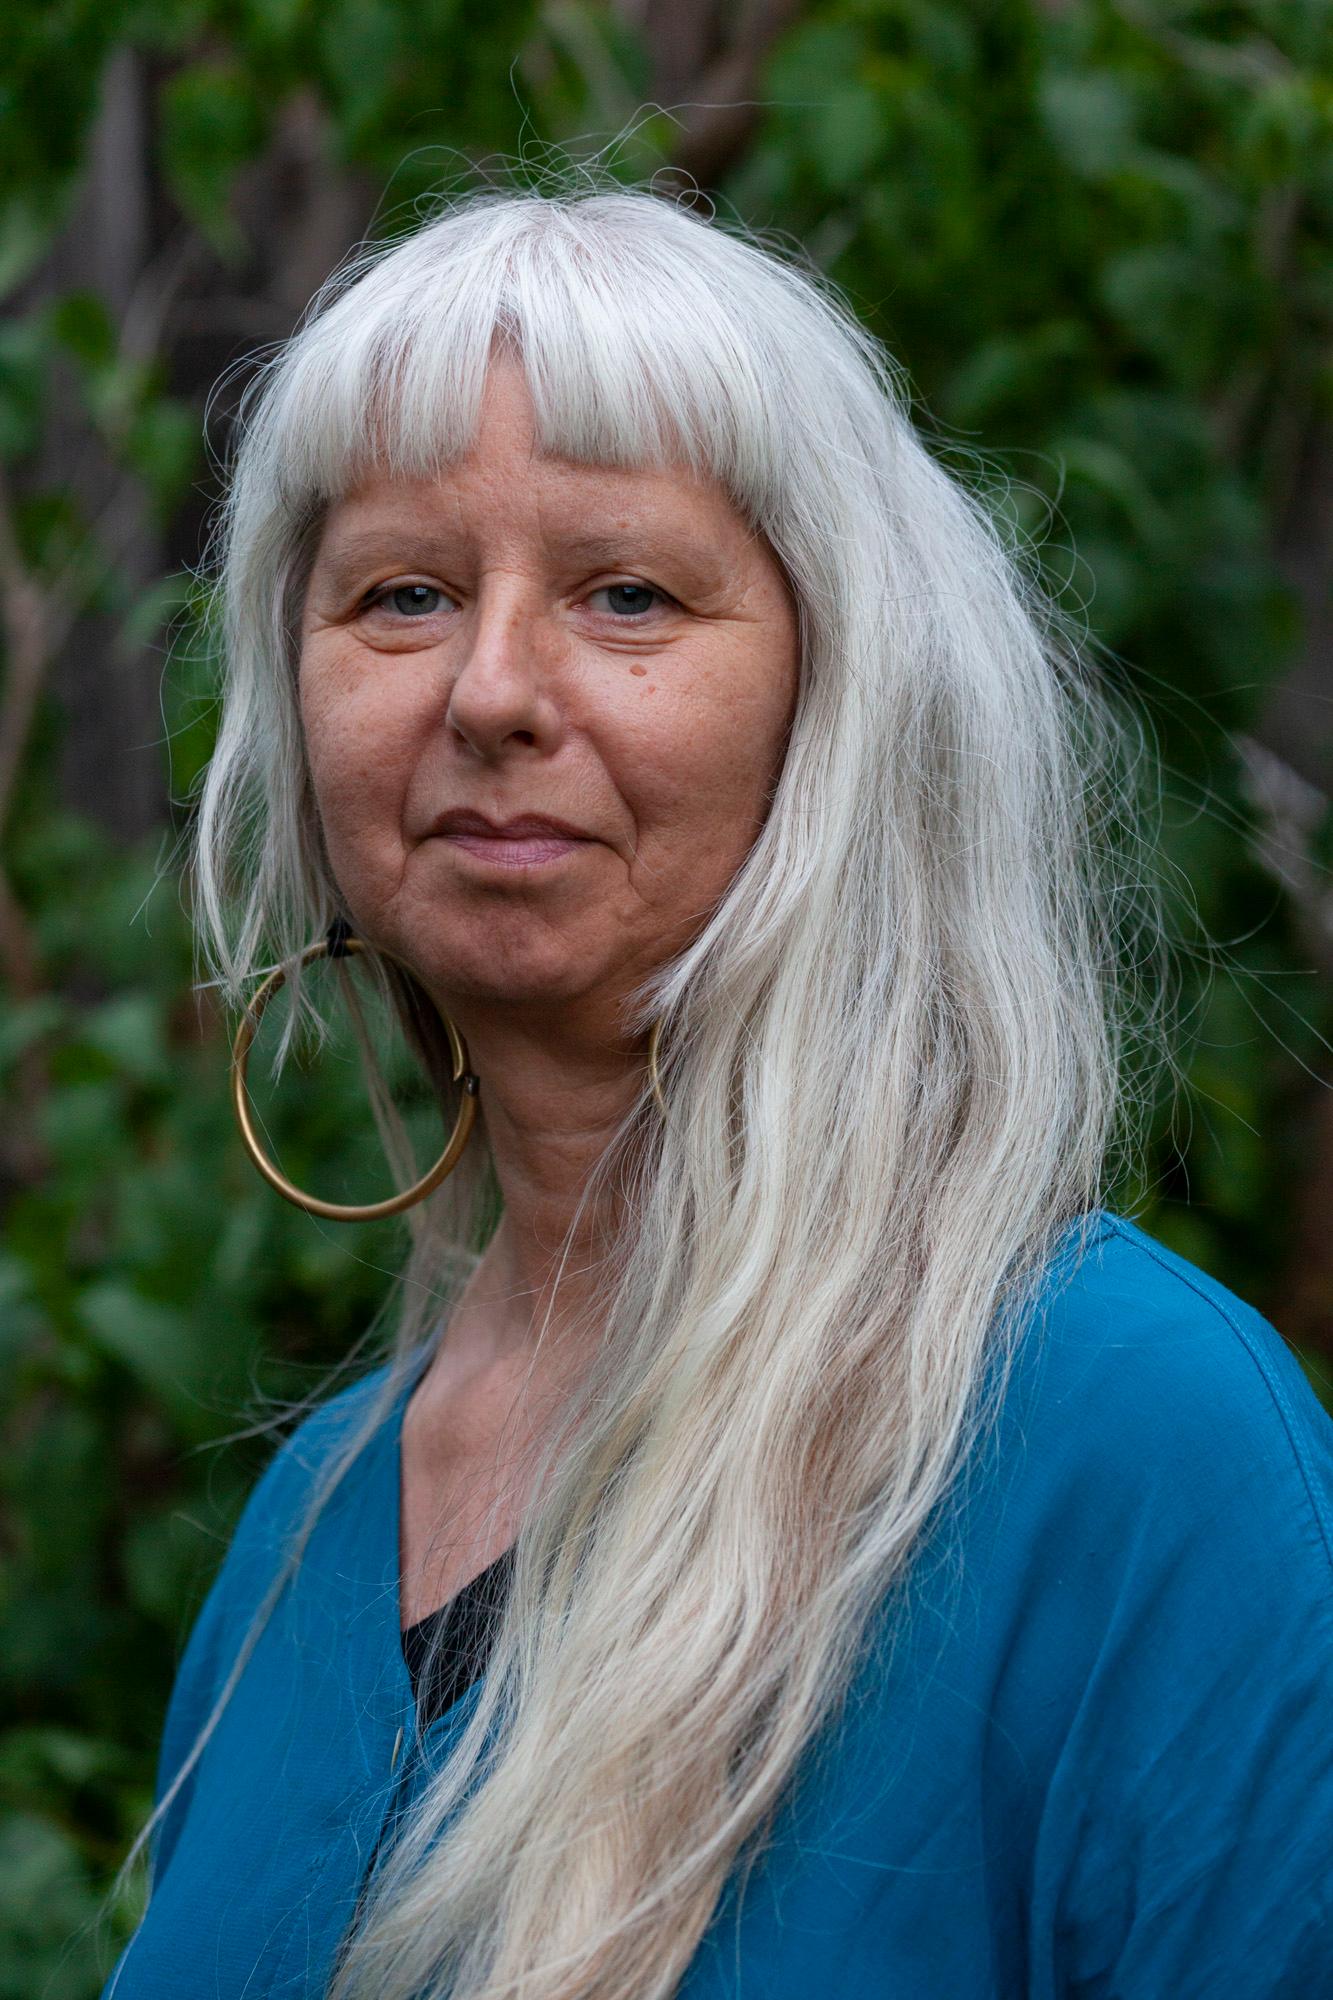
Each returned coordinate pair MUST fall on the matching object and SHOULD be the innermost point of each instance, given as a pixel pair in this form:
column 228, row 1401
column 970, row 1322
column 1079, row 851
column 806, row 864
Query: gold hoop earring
column 341, row 944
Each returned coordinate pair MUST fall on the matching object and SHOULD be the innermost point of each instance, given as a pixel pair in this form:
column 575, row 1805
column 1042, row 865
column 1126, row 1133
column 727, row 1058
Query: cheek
column 708, row 759
column 356, row 746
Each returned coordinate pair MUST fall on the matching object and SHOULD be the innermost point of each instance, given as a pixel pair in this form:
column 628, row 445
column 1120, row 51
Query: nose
column 504, row 694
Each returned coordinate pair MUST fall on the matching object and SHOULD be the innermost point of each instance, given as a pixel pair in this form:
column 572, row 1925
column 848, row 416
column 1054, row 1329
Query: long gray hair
column 896, row 1060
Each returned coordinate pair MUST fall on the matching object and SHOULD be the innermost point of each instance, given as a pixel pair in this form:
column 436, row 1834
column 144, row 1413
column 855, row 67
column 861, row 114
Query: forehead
column 396, row 524
column 394, row 374
column 506, row 457
column 508, row 490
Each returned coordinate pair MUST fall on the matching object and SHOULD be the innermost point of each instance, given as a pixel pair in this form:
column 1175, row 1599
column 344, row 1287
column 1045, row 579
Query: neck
column 553, row 1093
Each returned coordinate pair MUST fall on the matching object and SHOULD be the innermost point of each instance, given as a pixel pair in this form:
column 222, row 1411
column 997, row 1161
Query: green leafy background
column 1097, row 239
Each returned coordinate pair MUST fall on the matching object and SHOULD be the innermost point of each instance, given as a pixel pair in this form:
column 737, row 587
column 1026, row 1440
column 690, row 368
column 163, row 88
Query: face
column 545, row 706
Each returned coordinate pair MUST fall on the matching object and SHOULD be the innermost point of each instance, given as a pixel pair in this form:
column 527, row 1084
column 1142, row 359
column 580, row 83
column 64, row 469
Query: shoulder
column 1169, row 1628
column 278, row 1502
column 287, row 1484
column 275, row 1506
column 1170, row 1390
column 1163, row 1490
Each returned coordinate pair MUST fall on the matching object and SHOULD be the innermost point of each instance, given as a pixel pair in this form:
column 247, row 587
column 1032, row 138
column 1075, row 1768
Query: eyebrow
column 362, row 548
column 416, row 546
column 609, row 548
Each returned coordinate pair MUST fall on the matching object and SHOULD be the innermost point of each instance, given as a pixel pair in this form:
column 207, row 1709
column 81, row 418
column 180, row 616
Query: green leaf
column 33, row 1760
column 23, row 1025
column 46, row 1913
column 1284, row 125
column 1008, row 368
column 212, row 124
column 1112, row 472
column 154, row 610
column 82, row 324
column 131, row 1031
column 159, row 1563
column 846, row 133
column 361, row 43
column 164, row 444
column 155, row 1342
column 815, row 56
column 23, row 362
column 83, row 1123
column 1165, row 302
column 29, row 218
column 1090, row 117
column 21, row 1320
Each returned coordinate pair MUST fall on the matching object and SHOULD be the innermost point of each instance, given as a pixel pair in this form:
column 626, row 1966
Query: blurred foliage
column 1097, row 238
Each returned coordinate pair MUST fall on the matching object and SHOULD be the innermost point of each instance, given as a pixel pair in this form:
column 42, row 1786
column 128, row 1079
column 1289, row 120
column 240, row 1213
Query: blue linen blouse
column 1094, row 1760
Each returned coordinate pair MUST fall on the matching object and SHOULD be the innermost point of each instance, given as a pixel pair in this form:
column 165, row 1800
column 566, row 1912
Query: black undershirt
column 469, row 1620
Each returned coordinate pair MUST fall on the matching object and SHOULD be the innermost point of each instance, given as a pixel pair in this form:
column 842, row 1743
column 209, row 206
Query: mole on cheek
column 640, row 671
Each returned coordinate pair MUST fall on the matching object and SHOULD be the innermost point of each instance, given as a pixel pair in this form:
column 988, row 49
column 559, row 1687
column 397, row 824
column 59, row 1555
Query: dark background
column 1096, row 236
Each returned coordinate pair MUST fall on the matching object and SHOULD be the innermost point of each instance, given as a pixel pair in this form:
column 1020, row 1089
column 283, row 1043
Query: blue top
column 1098, row 1762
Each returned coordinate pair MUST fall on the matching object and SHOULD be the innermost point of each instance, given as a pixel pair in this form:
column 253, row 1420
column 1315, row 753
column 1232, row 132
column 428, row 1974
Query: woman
column 892, row 1572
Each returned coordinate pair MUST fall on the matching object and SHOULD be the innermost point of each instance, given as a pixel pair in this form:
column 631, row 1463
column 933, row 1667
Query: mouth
column 531, row 840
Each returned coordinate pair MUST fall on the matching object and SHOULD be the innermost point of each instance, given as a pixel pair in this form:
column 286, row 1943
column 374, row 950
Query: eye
column 630, row 600
column 410, row 600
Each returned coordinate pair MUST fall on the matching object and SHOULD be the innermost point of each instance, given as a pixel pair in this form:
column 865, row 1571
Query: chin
column 508, row 991
column 500, row 979
column 465, row 956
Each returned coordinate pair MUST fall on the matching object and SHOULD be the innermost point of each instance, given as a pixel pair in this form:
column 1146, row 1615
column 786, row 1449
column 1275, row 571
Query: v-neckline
column 464, row 1591
column 392, row 1597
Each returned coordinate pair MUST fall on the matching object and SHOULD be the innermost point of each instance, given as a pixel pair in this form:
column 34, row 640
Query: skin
column 530, row 635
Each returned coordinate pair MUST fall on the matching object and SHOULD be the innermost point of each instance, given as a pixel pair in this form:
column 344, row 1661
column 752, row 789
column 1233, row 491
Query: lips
column 528, row 841
column 526, row 826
